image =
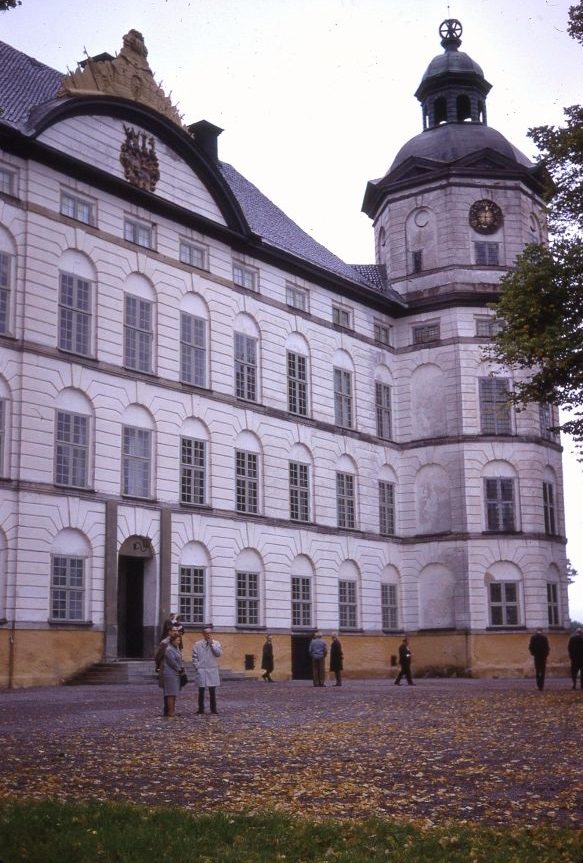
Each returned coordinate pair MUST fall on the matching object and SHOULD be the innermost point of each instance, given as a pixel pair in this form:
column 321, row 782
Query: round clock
column 485, row 216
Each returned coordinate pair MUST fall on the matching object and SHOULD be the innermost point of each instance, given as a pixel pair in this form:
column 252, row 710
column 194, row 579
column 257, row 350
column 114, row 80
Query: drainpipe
column 11, row 652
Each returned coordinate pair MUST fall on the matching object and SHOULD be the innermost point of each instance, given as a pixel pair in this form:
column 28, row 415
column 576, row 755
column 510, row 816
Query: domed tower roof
column 455, row 136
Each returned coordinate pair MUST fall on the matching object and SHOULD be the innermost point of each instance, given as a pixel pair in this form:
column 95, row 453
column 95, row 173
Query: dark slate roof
column 24, row 84
column 376, row 276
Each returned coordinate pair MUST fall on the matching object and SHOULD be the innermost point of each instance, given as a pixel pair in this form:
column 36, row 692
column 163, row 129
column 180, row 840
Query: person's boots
column 165, row 705
column 171, row 706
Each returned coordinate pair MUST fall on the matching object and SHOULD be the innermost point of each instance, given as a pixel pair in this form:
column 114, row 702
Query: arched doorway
column 133, row 559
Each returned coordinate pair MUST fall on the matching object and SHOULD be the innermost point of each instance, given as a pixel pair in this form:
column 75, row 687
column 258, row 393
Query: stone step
column 133, row 671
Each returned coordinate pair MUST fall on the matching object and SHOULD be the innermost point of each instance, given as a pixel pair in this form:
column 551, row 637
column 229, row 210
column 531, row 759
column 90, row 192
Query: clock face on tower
column 485, row 216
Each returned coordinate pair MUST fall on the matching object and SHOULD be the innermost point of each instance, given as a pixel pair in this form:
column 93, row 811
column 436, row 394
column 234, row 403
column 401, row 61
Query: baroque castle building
column 203, row 410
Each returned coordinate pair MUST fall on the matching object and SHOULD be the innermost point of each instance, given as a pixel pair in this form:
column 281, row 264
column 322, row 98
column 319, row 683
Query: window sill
column 507, row 627
column 71, row 624
column 250, row 627
column 79, row 488
column 196, row 506
column 137, row 498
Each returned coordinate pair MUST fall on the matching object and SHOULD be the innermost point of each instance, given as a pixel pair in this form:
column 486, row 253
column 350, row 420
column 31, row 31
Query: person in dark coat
column 170, row 670
column 336, row 659
column 267, row 663
column 539, row 648
column 575, row 648
column 405, row 657
column 318, row 650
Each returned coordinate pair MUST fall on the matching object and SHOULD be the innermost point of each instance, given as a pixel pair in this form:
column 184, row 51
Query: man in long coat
column 539, row 649
column 205, row 658
column 336, row 659
column 575, row 648
column 405, row 656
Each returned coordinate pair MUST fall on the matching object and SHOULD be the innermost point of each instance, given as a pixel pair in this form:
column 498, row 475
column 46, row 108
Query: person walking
column 575, row 648
column 318, row 652
column 205, row 659
column 539, row 649
column 267, row 662
column 171, row 668
column 336, row 659
column 405, row 657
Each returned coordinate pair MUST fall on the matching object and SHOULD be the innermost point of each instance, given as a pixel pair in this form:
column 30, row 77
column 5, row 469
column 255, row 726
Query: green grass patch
column 51, row 832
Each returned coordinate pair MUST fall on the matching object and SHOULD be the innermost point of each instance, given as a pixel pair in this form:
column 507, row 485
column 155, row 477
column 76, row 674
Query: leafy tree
column 541, row 306
column 5, row 5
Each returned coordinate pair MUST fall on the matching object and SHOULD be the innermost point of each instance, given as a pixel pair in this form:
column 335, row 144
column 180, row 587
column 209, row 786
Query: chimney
column 206, row 136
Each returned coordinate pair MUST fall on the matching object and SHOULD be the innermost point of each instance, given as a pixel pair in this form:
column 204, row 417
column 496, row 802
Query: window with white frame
column 245, row 277
column 343, row 413
column 7, row 181
column 193, row 353
column 136, row 461
column 71, row 449
column 297, row 383
column 487, row 254
column 553, row 603
column 342, row 317
column 345, row 500
column 487, row 328
column 78, row 208
column 382, row 333
column 386, row 508
column 191, row 596
column 299, row 491
column 247, row 598
column 417, row 261
column 75, row 311
column 192, row 471
column 245, row 367
column 139, row 233
column 504, row 603
column 549, row 508
column 500, row 504
column 429, row 332
column 67, row 588
column 296, row 297
column 138, row 333
column 301, row 593
column 347, row 605
column 193, row 254
column 495, row 412
column 5, row 286
column 247, row 482
column 3, row 433
column 389, row 607
column 547, row 421
column 383, row 410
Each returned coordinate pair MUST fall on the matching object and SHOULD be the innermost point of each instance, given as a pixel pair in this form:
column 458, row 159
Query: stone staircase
column 133, row 671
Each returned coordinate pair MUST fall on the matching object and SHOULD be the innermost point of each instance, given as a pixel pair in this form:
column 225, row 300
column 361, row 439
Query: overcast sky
column 316, row 96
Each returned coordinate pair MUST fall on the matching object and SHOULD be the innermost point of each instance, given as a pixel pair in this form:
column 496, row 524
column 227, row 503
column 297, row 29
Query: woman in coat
column 267, row 663
column 170, row 670
column 336, row 659
column 205, row 659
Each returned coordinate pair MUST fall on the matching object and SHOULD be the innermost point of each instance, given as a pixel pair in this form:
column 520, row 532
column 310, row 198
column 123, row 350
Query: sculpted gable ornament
column 139, row 160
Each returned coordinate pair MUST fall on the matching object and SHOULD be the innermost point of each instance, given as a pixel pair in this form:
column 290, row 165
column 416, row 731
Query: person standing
column 405, row 657
column 267, row 662
column 318, row 652
column 336, row 659
column 205, row 659
column 575, row 648
column 539, row 649
column 171, row 668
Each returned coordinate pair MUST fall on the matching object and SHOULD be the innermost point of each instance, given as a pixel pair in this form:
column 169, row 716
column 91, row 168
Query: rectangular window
column 245, row 367
column 299, row 491
column 139, row 233
column 7, row 182
column 71, row 449
column 487, row 328
column 500, row 504
column 3, row 420
column 138, row 334
column 504, row 603
column 297, row 384
column 345, row 503
column 343, row 398
column 382, row 333
column 247, row 599
column 5, row 284
column 136, row 461
column 192, row 471
column 245, row 277
column 77, row 208
column 417, row 260
column 191, row 594
column 487, row 254
column 75, row 314
column 301, row 592
column 247, row 482
column 387, row 508
column 426, row 333
column 67, row 588
column 547, row 421
column 296, row 297
column 389, row 607
column 549, row 508
column 494, row 406
column 192, row 350
column 553, row 603
column 193, row 254
column 383, row 410
column 342, row 317
column 347, row 609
